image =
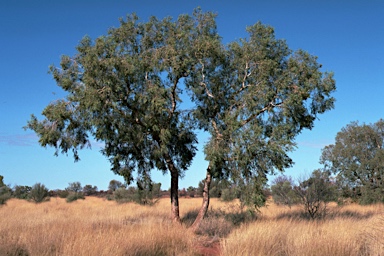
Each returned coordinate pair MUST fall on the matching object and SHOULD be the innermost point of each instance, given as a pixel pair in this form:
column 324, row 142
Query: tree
column 39, row 193
column 315, row 193
column 115, row 184
column 283, row 191
column 75, row 191
column 357, row 157
column 90, row 190
column 254, row 97
column 74, row 187
column 124, row 90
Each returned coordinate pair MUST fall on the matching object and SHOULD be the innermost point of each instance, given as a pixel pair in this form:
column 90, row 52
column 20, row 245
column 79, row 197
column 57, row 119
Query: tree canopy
column 357, row 157
column 125, row 89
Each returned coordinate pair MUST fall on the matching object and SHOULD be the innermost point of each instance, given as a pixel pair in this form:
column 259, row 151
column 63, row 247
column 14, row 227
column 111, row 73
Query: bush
column 74, row 192
column 62, row 193
column 315, row 193
column 22, row 192
column 90, row 190
column 5, row 191
column 228, row 194
column 283, row 192
column 73, row 196
column 145, row 194
column 39, row 193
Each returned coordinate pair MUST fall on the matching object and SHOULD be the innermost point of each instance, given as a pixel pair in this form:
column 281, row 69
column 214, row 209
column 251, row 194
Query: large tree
column 357, row 157
column 124, row 90
column 254, row 97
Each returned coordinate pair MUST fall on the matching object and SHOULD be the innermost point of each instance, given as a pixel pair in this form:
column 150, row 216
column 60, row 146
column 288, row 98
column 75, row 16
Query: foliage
column 191, row 191
column 283, row 191
column 216, row 188
column 253, row 96
column 145, row 194
column 62, row 193
column 5, row 191
column 75, row 192
column 315, row 193
column 115, row 184
column 21, row 192
column 124, row 89
column 39, row 193
column 357, row 158
column 74, row 196
column 90, row 190
column 74, row 187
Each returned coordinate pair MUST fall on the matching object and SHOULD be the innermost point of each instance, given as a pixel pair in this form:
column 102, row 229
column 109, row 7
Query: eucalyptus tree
column 124, row 89
column 357, row 158
column 254, row 96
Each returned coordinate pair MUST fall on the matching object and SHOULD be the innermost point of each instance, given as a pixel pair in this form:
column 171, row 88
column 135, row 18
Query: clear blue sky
column 347, row 36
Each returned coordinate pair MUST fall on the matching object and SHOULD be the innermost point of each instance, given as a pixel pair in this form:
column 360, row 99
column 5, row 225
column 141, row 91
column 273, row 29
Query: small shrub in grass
column 39, row 193
column 73, row 196
column 62, row 193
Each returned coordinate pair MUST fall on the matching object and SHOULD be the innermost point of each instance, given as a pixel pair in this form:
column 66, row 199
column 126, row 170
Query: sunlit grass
column 350, row 230
column 96, row 226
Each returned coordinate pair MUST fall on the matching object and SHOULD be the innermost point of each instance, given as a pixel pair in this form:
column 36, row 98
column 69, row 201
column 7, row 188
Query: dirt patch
column 208, row 247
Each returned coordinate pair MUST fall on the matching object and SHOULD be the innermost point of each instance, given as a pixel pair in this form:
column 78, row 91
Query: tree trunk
column 174, row 189
column 175, row 196
column 205, row 205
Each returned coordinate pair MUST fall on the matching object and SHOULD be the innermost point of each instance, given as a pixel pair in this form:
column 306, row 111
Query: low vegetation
column 97, row 226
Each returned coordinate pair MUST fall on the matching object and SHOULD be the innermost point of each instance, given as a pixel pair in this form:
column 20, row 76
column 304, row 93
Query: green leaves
column 125, row 89
column 357, row 157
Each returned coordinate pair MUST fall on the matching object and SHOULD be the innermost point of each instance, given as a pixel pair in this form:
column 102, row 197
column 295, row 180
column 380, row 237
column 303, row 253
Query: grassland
column 99, row 227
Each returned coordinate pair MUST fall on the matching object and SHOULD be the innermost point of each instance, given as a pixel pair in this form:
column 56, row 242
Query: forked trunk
column 204, row 207
column 174, row 189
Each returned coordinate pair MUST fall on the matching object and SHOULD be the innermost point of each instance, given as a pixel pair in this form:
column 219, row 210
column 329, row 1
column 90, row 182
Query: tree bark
column 174, row 189
column 204, row 207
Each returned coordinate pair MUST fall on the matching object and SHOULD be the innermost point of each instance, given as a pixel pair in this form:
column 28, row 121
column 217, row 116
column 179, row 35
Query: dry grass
column 99, row 227
column 351, row 230
column 90, row 227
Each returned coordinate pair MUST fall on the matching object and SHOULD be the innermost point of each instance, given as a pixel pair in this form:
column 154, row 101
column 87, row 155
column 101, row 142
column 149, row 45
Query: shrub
column 283, row 192
column 90, row 190
column 74, row 192
column 5, row 191
column 39, row 193
column 73, row 196
column 62, row 193
column 315, row 193
column 145, row 194
column 22, row 192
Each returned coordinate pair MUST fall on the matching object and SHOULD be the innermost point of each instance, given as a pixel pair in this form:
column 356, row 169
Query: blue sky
column 347, row 36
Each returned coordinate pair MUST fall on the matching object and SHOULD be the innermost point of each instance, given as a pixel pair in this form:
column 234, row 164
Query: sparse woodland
column 253, row 97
